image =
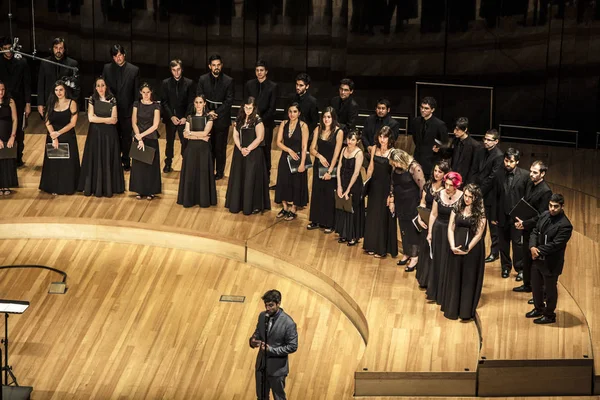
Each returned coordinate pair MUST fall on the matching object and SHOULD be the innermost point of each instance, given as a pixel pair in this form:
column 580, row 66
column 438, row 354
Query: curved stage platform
column 143, row 318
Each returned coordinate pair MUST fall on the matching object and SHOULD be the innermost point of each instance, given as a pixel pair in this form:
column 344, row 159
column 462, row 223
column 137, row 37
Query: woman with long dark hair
column 197, row 180
column 8, row 135
column 145, row 179
column 326, row 145
column 467, row 260
column 248, row 186
column 101, row 168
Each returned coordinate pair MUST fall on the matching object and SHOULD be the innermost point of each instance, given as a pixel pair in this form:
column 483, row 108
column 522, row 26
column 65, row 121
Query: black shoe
column 534, row 313
column 218, row 177
column 312, row 226
column 341, row 240
column 530, row 301
column 20, row 164
column 167, row 169
column 273, row 187
column 544, row 320
column 522, row 289
column 126, row 167
column 491, row 258
column 519, row 277
column 505, row 273
column 403, row 262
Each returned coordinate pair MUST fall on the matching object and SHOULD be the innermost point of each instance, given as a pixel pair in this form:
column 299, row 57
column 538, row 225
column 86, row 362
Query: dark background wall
column 543, row 64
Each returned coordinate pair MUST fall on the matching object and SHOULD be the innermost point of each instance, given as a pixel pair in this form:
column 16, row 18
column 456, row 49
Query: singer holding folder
column 8, row 134
column 145, row 178
column 60, row 175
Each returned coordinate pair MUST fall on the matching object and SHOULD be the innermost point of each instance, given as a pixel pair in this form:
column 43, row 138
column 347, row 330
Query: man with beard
column 309, row 112
column 375, row 122
column 122, row 78
column 537, row 194
column 464, row 148
column 50, row 73
column 429, row 134
column 510, row 188
column 218, row 89
column 14, row 72
column 346, row 108
column 264, row 91
column 547, row 246
column 177, row 93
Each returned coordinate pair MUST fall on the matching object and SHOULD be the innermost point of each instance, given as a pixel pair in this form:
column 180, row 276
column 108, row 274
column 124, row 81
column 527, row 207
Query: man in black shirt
column 510, row 188
column 177, row 93
column 346, row 108
column 50, row 73
column 464, row 148
column 14, row 72
column 537, row 194
column 547, row 246
column 486, row 164
column 218, row 89
column 264, row 91
column 309, row 112
column 123, row 79
column 375, row 122
column 429, row 134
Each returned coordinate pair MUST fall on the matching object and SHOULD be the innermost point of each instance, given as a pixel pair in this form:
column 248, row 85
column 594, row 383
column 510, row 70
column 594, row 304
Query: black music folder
column 523, row 210
column 7, row 153
column 342, row 204
column 462, row 237
column 103, row 109
column 198, row 123
column 424, row 213
column 295, row 164
column 63, row 151
column 365, row 189
column 146, row 156
column 323, row 170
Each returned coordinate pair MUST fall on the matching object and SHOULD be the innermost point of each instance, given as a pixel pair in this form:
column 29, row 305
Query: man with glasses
column 346, row 108
column 429, row 134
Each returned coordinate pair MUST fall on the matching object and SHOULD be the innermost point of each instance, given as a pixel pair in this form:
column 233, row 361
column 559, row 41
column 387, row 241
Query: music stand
column 10, row 307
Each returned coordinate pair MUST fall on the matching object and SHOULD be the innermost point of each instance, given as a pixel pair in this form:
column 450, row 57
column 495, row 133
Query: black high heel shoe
column 403, row 262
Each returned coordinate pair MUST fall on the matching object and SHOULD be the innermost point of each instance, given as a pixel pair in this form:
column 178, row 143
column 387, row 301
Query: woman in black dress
column 61, row 176
column 101, row 168
column 467, row 261
column 8, row 134
column 248, row 186
column 407, row 180
column 350, row 225
column 197, row 180
column 430, row 191
column 381, row 235
column 292, row 189
column 145, row 178
column 326, row 145
column 437, row 236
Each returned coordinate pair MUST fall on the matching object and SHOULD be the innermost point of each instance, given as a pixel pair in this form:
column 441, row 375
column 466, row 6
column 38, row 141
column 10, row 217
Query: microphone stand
column 7, row 369
column 265, row 388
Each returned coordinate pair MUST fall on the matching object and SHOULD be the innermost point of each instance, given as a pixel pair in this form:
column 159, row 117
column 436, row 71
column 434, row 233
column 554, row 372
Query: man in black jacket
column 50, row 73
column 375, row 122
column 547, row 246
column 123, row 79
column 429, row 133
column 218, row 89
column 464, row 148
column 264, row 91
column 537, row 194
column 510, row 188
column 486, row 164
column 345, row 106
column 177, row 93
column 309, row 111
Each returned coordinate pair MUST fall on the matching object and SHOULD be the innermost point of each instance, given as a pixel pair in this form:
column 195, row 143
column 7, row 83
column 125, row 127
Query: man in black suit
column 486, row 164
column 429, row 134
column 510, row 188
column 14, row 72
column 275, row 334
column 218, row 89
column 464, row 148
column 346, row 108
column 123, row 79
column 375, row 122
column 50, row 73
column 177, row 93
column 309, row 112
column 537, row 194
column 547, row 246
column 264, row 91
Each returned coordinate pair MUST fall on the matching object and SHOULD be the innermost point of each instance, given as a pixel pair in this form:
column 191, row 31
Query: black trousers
column 20, row 139
column 125, row 130
column 526, row 262
column 267, row 147
column 508, row 234
column 543, row 281
column 493, row 230
column 170, row 149
column 276, row 384
column 218, row 141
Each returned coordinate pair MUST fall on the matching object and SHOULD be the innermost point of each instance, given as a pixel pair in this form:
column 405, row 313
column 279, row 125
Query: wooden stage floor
column 142, row 319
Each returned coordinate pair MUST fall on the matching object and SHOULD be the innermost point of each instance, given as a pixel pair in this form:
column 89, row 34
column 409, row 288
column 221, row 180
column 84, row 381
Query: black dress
column 197, row 180
column 424, row 263
column 464, row 278
column 351, row 225
column 61, row 176
column 248, row 186
column 8, row 167
column 292, row 188
column 406, row 200
column 322, row 200
column 145, row 178
column 380, row 227
column 436, row 283
column 101, row 169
